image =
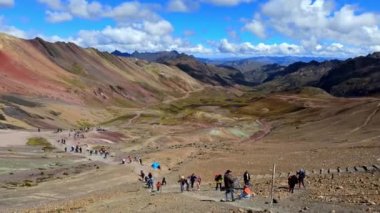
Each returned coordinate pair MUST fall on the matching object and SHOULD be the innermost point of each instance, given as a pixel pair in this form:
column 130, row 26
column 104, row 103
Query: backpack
column 218, row 177
column 301, row 174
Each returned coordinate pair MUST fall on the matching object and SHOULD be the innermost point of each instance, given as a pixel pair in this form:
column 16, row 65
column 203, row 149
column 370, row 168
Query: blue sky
column 207, row 28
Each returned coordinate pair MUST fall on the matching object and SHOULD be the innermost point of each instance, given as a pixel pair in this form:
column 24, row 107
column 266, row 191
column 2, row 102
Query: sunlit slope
column 53, row 75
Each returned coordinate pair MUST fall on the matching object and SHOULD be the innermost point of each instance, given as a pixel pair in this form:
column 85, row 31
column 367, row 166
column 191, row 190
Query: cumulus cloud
column 125, row 12
column 7, row 3
column 53, row 4
column 182, row 5
column 318, row 20
column 191, row 5
column 54, row 16
column 247, row 48
column 147, row 37
column 11, row 30
column 256, row 27
column 131, row 11
column 226, row 2
column 138, row 27
column 84, row 9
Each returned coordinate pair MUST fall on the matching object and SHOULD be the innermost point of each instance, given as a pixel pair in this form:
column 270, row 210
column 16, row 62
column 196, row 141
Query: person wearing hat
column 229, row 184
column 182, row 182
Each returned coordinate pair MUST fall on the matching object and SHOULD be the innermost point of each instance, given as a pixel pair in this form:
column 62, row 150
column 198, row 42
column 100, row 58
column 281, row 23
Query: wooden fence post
column 271, row 190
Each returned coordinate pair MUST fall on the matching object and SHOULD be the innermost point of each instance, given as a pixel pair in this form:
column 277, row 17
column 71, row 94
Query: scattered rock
column 339, row 187
column 370, row 202
column 241, row 210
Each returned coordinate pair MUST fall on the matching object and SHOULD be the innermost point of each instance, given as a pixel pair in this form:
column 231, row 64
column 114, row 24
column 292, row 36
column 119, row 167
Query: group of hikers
column 79, row 134
column 231, row 183
column 299, row 178
column 149, row 181
column 136, row 158
column 226, row 182
column 189, row 182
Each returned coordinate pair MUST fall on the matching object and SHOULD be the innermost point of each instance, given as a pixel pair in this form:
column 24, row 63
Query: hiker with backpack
column 182, row 182
column 193, row 178
column 218, row 180
column 301, row 176
column 229, row 184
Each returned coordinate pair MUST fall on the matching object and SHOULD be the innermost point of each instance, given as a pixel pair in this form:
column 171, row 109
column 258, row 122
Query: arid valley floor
column 205, row 132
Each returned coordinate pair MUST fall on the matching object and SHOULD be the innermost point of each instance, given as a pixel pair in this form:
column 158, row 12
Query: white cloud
column 84, row 9
column 182, row 5
column 226, row 2
column 12, row 30
column 225, row 47
column 54, row 17
column 53, row 4
column 247, row 48
column 255, row 27
column 197, row 49
column 318, row 20
column 146, row 37
column 7, row 3
column 131, row 11
column 138, row 27
column 128, row 11
column 162, row 27
column 191, row 5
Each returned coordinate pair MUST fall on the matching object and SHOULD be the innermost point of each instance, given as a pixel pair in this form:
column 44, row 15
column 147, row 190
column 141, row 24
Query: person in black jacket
column 247, row 178
column 229, row 184
column 193, row 177
column 292, row 181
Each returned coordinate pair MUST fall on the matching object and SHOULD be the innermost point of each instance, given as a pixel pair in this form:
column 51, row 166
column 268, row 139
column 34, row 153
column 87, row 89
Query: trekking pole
column 271, row 190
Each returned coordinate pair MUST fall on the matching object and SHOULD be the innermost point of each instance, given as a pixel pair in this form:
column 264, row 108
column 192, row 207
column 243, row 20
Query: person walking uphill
column 218, row 181
column 292, row 181
column 193, row 178
column 301, row 176
column 247, row 178
column 182, row 182
column 229, row 184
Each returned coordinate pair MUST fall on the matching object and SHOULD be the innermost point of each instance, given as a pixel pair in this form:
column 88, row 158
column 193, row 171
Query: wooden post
column 271, row 190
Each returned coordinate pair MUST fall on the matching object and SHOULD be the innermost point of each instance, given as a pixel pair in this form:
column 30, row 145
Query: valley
column 162, row 112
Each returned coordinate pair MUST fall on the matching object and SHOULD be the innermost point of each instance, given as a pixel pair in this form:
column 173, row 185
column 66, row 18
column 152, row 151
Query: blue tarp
column 155, row 165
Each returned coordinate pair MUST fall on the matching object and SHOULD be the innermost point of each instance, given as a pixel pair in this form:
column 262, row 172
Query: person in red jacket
column 158, row 186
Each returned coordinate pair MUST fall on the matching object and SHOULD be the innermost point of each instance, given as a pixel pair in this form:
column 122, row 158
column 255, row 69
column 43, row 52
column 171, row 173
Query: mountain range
column 351, row 77
column 58, row 84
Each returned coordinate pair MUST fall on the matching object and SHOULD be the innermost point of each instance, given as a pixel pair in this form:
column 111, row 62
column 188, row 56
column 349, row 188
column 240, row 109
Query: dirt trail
column 187, row 94
column 265, row 130
column 369, row 119
column 137, row 116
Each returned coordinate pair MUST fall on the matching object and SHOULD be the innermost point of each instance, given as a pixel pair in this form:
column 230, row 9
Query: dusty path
column 265, row 130
column 187, row 94
column 137, row 116
column 369, row 119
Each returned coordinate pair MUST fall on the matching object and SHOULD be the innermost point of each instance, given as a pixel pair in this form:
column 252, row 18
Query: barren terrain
column 205, row 133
